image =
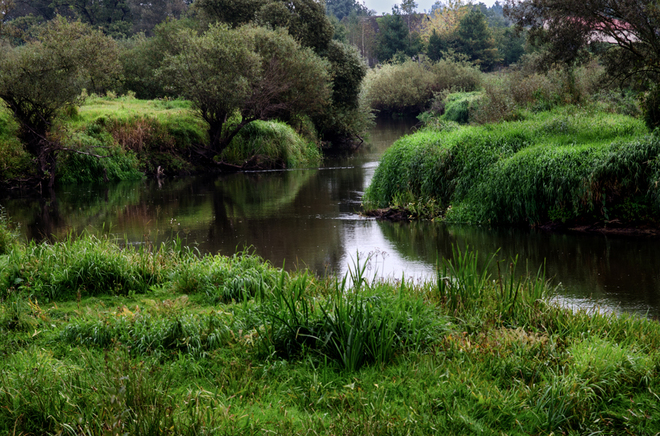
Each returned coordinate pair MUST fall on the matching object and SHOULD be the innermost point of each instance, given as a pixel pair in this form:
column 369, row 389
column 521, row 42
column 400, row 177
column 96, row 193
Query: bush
column 651, row 107
column 459, row 106
column 409, row 87
column 14, row 160
column 507, row 94
column 7, row 234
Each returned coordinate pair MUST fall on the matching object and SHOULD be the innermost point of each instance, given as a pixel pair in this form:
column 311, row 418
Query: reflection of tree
column 272, row 213
column 258, row 194
column 623, row 269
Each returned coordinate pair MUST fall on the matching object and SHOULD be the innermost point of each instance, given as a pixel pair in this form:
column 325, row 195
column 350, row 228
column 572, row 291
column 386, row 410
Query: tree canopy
column 47, row 74
column 474, row 39
column 305, row 20
column 236, row 76
column 629, row 30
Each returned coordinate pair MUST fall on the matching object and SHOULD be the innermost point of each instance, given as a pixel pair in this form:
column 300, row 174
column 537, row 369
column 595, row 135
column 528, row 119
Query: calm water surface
column 310, row 218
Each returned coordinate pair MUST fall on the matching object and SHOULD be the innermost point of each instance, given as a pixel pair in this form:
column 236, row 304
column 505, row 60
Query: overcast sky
column 381, row 6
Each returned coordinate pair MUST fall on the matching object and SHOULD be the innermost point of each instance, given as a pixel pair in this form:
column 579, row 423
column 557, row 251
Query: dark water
column 310, row 218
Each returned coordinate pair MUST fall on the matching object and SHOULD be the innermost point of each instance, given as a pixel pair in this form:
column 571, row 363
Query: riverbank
column 97, row 338
column 574, row 166
column 123, row 138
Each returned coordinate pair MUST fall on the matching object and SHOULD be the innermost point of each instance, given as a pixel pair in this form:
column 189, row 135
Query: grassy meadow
column 564, row 165
column 96, row 338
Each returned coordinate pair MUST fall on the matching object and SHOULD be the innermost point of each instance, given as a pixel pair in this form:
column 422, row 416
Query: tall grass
column 295, row 354
column 559, row 165
column 271, row 144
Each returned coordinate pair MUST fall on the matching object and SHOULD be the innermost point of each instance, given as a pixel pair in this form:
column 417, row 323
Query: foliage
column 444, row 19
column 348, row 115
column 83, row 165
column 410, row 87
column 474, row 39
column 40, row 78
column 651, row 107
column 272, row 141
column 395, row 38
column 344, row 8
column 567, row 29
column 561, row 165
column 457, row 106
column 140, row 57
column 506, row 95
column 234, row 77
column 305, row 20
column 14, row 160
column 8, row 237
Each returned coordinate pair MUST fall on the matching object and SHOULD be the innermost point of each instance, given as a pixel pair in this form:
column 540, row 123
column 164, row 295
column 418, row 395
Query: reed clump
column 289, row 353
column 566, row 164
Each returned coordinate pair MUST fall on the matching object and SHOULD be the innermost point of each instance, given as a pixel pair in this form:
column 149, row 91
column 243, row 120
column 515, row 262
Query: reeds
column 560, row 166
column 477, row 350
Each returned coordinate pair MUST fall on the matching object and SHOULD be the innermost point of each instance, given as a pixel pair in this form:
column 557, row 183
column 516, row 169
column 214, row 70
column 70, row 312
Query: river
column 311, row 219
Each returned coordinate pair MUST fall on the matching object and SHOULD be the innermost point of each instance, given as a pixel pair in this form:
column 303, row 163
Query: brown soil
column 388, row 214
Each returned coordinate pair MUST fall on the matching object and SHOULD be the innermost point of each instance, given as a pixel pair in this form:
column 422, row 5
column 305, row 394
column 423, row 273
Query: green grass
column 566, row 164
column 273, row 144
column 98, row 339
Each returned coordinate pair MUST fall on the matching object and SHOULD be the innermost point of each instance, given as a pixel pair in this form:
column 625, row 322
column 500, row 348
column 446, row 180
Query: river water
column 310, row 218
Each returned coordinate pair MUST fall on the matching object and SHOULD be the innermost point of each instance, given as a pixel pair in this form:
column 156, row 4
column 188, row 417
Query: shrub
column 7, row 233
column 505, row 95
column 409, row 87
column 94, row 158
column 14, row 160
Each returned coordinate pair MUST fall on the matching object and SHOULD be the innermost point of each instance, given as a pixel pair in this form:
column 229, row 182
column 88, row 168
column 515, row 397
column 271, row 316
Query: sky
column 381, row 6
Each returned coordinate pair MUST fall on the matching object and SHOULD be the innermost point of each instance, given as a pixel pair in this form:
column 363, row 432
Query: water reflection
column 310, row 218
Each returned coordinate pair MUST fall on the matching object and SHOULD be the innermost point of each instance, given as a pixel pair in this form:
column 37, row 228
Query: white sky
column 385, row 6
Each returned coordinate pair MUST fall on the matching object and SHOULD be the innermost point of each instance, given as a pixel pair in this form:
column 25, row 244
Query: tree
column 444, row 19
column 113, row 16
column 236, row 76
column 46, row 75
column 436, row 47
column 629, row 29
column 305, row 20
column 147, row 15
column 474, row 39
column 395, row 38
column 343, row 8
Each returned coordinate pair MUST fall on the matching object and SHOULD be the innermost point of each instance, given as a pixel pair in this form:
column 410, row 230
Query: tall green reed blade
column 461, row 286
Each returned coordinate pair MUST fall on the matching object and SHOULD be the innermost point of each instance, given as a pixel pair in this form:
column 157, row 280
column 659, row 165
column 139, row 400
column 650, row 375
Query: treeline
column 237, row 62
column 479, row 33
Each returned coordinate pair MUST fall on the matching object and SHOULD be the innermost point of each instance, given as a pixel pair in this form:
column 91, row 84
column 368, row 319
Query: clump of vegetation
column 7, row 233
column 271, row 144
column 199, row 344
column 555, row 166
column 409, row 87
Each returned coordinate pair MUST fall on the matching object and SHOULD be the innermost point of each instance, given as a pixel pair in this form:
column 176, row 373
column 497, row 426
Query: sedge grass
column 556, row 166
column 300, row 355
